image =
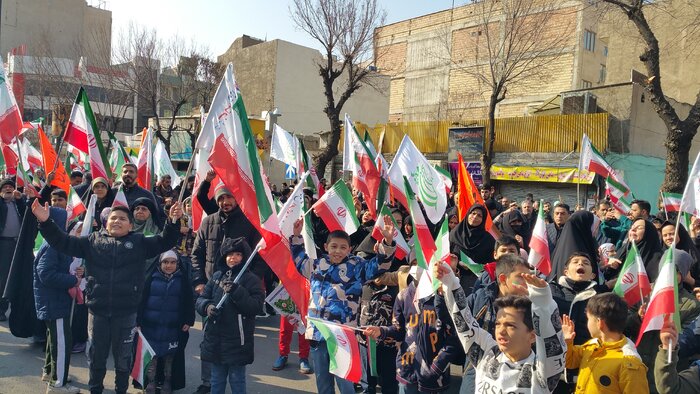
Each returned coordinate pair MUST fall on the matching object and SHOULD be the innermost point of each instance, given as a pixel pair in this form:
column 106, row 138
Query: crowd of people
column 143, row 269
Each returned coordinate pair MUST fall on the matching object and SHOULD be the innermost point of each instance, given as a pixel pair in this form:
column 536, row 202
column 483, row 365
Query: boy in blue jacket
column 336, row 280
column 52, row 281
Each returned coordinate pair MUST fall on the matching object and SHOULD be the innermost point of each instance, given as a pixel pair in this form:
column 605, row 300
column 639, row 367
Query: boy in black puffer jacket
column 165, row 317
column 224, row 345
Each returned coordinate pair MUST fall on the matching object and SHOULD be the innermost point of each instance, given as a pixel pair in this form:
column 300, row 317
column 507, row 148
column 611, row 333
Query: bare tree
column 512, row 45
column 680, row 132
column 345, row 29
column 169, row 77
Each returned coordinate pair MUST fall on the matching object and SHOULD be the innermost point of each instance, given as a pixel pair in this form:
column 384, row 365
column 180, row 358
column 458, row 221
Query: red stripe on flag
column 329, row 217
column 661, row 304
column 137, row 370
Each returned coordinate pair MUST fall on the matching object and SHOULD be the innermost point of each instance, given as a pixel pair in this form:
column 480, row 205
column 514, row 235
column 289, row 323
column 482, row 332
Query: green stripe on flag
column 331, row 343
column 466, row 262
column 372, row 356
column 82, row 97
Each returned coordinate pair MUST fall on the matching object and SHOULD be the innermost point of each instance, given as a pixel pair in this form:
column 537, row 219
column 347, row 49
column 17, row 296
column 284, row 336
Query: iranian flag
column 304, row 165
column 82, row 133
column 145, row 161
column 9, row 159
column 422, row 177
column 50, row 161
column 617, row 191
column 343, row 349
column 539, row 245
column 633, row 283
column 292, row 210
column 163, row 165
column 120, row 198
column 671, row 201
column 424, row 245
column 446, row 178
column 664, row 297
column 32, row 157
column 238, row 165
column 592, row 160
column 75, row 206
column 308, row 233
column 10, row 117
column 358, row 159
column 690, row 202
column 337, row 209
column 144, row 355
column 402, row 248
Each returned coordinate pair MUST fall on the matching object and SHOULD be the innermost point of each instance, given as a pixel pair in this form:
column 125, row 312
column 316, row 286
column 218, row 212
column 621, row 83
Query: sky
column 216, row 23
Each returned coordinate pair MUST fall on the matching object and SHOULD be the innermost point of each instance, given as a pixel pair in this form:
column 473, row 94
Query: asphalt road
column 21, row 362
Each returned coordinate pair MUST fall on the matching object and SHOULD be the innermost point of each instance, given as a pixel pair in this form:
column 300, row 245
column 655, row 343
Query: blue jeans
column 235, row 375
column 324, row 379
column 408, row 388
column 468, row 381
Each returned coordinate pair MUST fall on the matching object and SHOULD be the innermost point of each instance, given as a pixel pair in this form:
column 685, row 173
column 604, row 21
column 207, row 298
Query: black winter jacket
column 114, row 267
column 211, row 233
column 229, row 340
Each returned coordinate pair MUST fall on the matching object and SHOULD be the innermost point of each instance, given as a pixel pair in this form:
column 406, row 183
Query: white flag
column 292, row 209
column 690, row 202
column 163, row 165
column 423, row 178
column 284, row 146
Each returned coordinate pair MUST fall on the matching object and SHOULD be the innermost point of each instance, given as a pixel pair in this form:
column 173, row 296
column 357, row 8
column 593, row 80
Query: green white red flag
column 664, row 297
column 592, row 160
column 617, row 191
column 445, row 176
column 82, row 133
column 424, row 245
column 75, row 206
column 145, row 164
column 304, row 165
column 238, row 165
column 343, row 349
column 337, row 210
column 539, row 245
column 402, row 248
column 633, row 283
column 358, row 159
column 372, row 356
column 671, row 201
column 422, row 177
column 120, row 198
column 162, row 164
column 144, row 355
column 10, row 117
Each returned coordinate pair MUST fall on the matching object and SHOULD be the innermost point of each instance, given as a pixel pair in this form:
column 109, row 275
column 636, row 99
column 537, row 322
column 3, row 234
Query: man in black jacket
column 131, row 189
column 12, row 205
column 115, row 264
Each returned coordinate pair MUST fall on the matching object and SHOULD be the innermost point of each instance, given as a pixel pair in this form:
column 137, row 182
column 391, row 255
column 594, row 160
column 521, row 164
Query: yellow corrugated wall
column 553, row 133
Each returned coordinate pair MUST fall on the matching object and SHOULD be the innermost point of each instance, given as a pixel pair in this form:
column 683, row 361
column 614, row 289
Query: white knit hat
column 168, row 255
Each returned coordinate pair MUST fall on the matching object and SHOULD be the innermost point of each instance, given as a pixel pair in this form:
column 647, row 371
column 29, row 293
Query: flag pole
column 240, row 274
column 187, row 174
column 663, row 204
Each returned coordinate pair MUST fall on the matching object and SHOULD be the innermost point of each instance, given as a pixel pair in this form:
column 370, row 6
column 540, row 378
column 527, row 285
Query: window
column 603, row 73
column 586, row 84
column 589, row 40
column 605, row 51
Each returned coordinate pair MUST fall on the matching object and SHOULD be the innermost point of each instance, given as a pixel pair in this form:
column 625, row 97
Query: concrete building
column 283, row 75
column 61, row 29
column 429, row 59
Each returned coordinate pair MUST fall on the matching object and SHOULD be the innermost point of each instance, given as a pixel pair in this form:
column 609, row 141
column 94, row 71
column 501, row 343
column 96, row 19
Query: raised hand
column 388, row 229
column 211, row 174
column 534, row 280
column 41, row 212
column 568, row 328
column 176, row 211
column 298, row 226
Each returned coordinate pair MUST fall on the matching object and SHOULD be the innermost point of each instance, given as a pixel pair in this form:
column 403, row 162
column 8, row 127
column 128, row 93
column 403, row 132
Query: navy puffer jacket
column 52, row 278
column 167, row 305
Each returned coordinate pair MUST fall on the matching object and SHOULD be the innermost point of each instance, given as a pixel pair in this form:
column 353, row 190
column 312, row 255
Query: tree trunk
column 489, row 139
column 677, row 158
column 331, row 150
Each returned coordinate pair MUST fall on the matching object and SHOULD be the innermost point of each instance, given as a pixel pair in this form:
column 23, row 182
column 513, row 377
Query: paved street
column 20, row 365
